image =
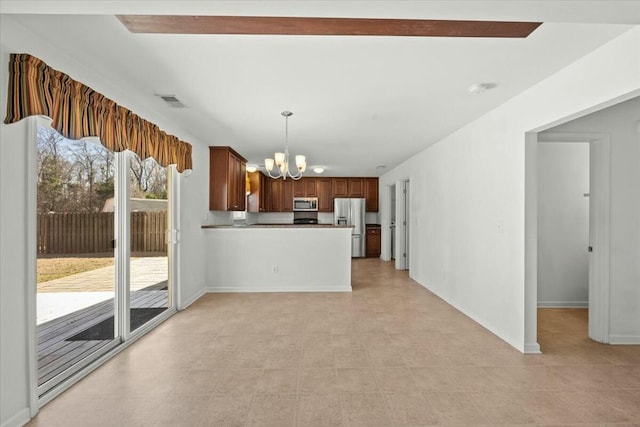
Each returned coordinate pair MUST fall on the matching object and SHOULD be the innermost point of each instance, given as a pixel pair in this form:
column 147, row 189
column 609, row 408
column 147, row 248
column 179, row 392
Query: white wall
column 14, row 268
column 468, row 192
column 620, row 122
column 563, row 224
column 240, row 259
column 194, row 193
column 14, row 385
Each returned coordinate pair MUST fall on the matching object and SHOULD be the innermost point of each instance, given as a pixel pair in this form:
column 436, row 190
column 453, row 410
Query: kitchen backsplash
column 287, row 218
column 229, row 218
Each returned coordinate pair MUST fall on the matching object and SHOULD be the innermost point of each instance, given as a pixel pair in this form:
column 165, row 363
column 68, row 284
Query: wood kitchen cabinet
column 275, row 195
column 373, row 242
column 305, row 187
column 325, row 200
column 310, row 187
column 287, row 195
column 227, row 179
column 356, row 187
column 298, row 188
column 340, row 187
column 280, row 195
column 258, row 197
column 371, row 194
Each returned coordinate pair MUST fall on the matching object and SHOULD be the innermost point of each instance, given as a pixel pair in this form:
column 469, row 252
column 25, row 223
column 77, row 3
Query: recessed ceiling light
column 251, row 168
column 481, row 87
column 381, row 167
column 318, row 169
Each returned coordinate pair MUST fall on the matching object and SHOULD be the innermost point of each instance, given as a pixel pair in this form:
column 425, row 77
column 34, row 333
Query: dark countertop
column 278, row 226
column 373, row 225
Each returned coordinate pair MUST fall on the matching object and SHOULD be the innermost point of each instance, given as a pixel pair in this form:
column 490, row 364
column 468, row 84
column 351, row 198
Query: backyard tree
column 78, row 176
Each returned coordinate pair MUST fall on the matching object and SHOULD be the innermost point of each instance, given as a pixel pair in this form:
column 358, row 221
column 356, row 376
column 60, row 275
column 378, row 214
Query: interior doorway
column 563, row 224
column 407, row 212
column 563, row 238
column 392, row 222
column 599, row 232
column 404, row 235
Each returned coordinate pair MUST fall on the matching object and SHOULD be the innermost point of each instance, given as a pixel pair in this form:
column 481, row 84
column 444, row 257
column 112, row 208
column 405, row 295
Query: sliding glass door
column 149, row 267
column 75, row 262
column 102, row 254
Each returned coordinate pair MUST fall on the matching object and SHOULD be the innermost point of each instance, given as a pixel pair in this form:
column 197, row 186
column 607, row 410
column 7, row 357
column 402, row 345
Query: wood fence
column 76, row 233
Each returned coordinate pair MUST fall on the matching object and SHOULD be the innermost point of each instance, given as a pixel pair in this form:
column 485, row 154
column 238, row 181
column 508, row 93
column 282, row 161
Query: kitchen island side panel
column 247, row 259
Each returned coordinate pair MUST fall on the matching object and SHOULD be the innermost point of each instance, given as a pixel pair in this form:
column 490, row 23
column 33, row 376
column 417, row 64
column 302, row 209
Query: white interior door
column 406, row 222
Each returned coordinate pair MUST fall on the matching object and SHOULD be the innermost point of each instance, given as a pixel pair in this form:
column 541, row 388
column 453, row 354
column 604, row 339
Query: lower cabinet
column 373, row 242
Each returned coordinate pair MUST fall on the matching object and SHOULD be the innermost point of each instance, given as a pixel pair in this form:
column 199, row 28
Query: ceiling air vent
column 172, row 101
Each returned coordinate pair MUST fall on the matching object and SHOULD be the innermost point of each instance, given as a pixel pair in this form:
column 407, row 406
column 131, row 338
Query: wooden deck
column 55, row 354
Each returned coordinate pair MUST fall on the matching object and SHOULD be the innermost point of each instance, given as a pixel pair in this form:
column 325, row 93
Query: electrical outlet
column 275, row 269
column 500, row 227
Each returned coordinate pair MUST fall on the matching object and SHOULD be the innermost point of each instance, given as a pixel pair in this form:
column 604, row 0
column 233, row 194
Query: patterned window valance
column 78, row 111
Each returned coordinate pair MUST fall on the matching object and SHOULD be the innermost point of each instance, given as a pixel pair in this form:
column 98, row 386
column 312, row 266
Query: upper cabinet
column 325, row 201
column 228, row 186
column 227, row 179
column 340, row 187
column 305, row 187
column 287, row 195
column 280, row 195
column 310, row 187
column 356, row 187
column 371, row 194
column 366, row 188
column 258, row 197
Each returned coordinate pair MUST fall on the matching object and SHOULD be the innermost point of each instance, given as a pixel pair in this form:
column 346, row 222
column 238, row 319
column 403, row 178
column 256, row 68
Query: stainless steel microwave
column 305, row 204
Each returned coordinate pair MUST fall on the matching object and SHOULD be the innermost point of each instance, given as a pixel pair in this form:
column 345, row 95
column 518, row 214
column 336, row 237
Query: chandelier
column 281, row 160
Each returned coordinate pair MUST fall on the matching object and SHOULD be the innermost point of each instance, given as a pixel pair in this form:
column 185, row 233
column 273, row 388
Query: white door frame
column 407, row 223
column 122, row 271
column 402, row 224
column 599, row 232
column 393, row 247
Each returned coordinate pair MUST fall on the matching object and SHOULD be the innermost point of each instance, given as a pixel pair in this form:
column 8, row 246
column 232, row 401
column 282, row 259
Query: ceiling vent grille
column 172, row 101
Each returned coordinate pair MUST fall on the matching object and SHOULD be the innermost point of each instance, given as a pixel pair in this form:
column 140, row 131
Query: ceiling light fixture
column 251, row 168
column 318, row 169
column 478, row 88
column 282, row 159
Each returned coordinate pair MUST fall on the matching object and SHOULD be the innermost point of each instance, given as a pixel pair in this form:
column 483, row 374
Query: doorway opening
column 392, row 221
column 403, row 237
column 563, row 237
column 407, row 234
column 598, row 220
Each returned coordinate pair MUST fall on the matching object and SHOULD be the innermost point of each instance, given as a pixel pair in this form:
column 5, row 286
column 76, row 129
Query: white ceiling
column 358, row 102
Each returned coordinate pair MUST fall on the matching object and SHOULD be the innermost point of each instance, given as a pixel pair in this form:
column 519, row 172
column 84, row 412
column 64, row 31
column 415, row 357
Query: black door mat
column 103, row 331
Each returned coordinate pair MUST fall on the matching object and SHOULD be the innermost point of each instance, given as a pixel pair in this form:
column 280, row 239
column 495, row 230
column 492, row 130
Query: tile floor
column 389, row 354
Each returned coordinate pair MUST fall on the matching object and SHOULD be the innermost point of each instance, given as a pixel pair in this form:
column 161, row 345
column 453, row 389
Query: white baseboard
column 563, row 304
column 193, row 299
column 270, row 289
column 624, row 339
column 19, row 419
column 532, row 348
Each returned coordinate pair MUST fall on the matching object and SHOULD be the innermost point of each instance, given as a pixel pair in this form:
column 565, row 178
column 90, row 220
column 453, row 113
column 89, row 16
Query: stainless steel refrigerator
column 351, row 212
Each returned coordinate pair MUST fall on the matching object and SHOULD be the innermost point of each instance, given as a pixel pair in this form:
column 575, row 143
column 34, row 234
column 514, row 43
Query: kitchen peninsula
column 278, row 258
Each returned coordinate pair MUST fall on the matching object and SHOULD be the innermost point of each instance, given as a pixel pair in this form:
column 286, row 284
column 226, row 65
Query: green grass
column 55, row 268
